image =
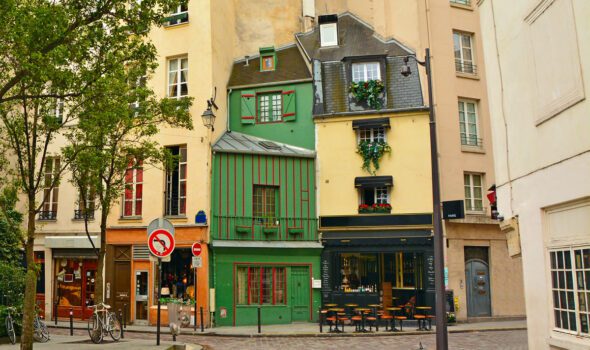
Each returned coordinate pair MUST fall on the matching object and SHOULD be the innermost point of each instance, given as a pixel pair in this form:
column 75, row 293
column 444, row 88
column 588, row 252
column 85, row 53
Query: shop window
column 261, row 285
column 176, row 182
column 133, row 195
column 358, row 272
column 40, row 261
column 75, row 279
column 51, row 191
column 570, row 286
column 177, row 276
column 265, row 204
column 408, row 271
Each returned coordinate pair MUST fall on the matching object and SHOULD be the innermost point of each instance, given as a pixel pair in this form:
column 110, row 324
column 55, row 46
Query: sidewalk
column 312, row 329
column 62, row 342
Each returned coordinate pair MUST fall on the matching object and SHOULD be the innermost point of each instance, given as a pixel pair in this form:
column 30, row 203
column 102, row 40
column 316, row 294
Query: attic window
column 269, row 145
column 268, row 59
column 328, row 30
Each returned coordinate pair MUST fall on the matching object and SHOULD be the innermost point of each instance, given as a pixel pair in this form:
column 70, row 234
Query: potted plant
column 382, row 208
column 365, row 208
column 368, row 91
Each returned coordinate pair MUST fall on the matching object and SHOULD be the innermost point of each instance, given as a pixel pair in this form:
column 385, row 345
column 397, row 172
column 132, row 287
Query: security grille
column 141, row 252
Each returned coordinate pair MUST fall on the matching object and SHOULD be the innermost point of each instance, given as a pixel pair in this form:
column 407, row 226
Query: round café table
column 394, row 310
column 423, row 315
column 363, row 311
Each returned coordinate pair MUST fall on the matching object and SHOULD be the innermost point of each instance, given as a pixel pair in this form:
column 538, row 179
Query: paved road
column 499, row 340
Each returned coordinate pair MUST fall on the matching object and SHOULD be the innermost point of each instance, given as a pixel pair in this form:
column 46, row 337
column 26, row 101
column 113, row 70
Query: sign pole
column 159, row 296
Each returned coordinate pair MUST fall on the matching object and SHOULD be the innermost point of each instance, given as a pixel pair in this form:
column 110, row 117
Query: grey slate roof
column 235, row 142
column 290, row 67
column 332, row 65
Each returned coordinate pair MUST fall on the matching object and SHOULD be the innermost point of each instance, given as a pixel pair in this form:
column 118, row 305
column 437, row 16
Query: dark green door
column 300, row 293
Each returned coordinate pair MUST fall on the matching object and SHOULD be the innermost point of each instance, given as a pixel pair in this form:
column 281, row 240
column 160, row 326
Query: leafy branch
column 372, row 152
column 368, row 91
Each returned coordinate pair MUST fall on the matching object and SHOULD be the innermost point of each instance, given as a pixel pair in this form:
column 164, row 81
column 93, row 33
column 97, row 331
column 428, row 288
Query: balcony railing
column 465, row 67
column 468, row 140
column 47, row 215
column 264, row 229
column 79, row 214
column 176, row 18
column 461, row 2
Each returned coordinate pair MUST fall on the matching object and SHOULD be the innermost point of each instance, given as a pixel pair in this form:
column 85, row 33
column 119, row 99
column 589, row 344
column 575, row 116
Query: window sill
column 47, row 220
column 177, row 25
column 461, row 6
column 475, row 212
column 177, row 218
column 473, row 149
column 130, row 218
column 82, row 220
column 472, row 76
column 567, row 341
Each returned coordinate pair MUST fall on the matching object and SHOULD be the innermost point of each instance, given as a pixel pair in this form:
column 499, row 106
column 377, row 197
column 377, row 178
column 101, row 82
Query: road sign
column 161, row 243
column 160, row 223
column 197, row 262
column 196, row 249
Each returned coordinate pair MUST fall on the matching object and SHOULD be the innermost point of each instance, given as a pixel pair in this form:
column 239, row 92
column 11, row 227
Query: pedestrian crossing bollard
column 71, row 322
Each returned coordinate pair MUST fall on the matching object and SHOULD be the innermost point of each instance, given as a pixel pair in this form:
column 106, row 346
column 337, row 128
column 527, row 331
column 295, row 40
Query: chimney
column 247, row 58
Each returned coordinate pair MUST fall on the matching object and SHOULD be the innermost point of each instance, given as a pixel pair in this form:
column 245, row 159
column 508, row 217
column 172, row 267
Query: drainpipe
column 228, row 110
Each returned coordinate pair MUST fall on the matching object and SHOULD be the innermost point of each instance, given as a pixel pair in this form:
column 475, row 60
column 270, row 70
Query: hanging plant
column 367, row 91
column 371, row 152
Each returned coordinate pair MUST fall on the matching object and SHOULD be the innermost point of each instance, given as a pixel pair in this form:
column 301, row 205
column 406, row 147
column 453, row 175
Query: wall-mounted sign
column 197, row 262
column 316, row 283
column 222, row 312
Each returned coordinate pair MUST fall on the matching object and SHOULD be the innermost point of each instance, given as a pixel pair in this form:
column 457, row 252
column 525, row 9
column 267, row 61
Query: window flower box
column 270, row 230
column 384, row 208
column 243, row 230
column 369, row 92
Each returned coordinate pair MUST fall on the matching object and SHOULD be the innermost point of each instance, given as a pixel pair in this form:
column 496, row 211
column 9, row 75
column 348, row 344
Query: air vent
column 269, row 145
column 141, row 252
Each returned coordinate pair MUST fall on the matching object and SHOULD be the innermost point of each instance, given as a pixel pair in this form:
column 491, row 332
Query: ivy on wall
column 368, row 91
column 372, row 152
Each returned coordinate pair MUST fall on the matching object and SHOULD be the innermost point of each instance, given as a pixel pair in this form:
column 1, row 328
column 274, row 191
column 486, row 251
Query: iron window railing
column 264, row 228
column 79, row 214
column 47, row 215
column 468, row 140
column 465, row 67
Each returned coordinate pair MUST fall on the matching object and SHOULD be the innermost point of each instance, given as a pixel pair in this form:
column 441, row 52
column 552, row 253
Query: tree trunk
column 99, row 285
column 30, row 279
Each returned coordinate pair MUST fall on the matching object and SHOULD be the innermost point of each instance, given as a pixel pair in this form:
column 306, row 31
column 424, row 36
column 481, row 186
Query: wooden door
column 300, row 293
column 122, row 287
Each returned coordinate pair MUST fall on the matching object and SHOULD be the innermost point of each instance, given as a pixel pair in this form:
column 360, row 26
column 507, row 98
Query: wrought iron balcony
column 79, row 214
column 47, row 215
column 177, row 18
column 465, row 67
column 468, row 140
column 263, row 228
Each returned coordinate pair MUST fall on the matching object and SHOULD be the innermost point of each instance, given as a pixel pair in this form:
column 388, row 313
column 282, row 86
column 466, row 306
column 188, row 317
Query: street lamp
column 442, row 341
column 208, row 115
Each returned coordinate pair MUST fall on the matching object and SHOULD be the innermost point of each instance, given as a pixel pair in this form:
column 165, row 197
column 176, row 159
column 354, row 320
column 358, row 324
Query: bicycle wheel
column 41, row 332
column 95, row 329
column 10, row 330
column 114, row 327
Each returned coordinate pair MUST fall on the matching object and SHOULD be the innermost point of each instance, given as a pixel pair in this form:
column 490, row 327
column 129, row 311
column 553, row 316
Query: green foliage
column 372, row 152
column 12, row 289
column 10, row 227
column 177, row 301
column 368, row 91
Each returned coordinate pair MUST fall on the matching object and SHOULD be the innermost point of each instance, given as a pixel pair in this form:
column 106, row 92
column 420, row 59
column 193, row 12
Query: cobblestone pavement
column 498, row 340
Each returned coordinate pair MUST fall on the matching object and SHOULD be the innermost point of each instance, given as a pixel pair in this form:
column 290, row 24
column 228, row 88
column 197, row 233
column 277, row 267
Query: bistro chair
column 342, row 317
column 356, row 320
column 371, row 319
column 421, row 315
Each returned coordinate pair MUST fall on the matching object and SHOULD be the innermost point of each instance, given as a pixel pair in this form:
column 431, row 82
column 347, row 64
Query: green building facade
column 265, row 248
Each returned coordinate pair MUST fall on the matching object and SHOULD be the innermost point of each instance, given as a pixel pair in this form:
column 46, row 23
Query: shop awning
column 74, row 253
column 370, row 123
column 373, row 181
column 71, row 242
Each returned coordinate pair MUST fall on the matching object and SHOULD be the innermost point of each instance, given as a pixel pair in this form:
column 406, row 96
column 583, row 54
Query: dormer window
column 366, row 71
column 328, row 30
column 268, row 59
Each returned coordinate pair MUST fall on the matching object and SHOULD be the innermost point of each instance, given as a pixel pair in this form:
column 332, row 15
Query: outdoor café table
column 394, row 310
column 337, row 310
column 422, row 318
column 363, row 311
column 330, row 305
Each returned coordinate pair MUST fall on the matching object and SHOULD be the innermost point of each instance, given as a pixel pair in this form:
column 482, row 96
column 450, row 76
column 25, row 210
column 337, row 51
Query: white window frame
column 181, row 181
column 372, row 135
column 464, row 124
column 176, row 84
column 362, row 70
column 470, row 201
column 378, row 195
column 574, row 270
column 463, row 64
column 49, row 200
column 134, row 199
column 329, row 31
column 273, row 111
column 178, row 11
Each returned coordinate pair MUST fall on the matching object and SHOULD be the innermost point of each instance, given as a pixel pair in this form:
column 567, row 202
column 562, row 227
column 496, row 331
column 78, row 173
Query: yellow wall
column 408, row 163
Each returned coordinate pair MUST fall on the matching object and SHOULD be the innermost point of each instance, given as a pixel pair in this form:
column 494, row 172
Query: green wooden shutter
column 289, row 104
column 248, row 107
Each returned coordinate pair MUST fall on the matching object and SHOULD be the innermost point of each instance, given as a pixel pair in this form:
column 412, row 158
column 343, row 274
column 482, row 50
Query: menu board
column 325, row 272
column 430, row 272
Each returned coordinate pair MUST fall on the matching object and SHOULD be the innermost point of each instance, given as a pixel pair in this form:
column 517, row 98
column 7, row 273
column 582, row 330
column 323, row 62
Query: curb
column 310, row 335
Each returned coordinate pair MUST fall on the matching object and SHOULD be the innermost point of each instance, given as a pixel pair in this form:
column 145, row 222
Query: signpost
column 197, row 262
column 161, row 244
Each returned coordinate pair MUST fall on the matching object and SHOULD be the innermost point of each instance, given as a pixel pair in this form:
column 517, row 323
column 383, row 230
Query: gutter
column 381, row 111
column 305, row 80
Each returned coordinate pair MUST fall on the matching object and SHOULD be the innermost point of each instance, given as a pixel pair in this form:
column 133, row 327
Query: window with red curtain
column 132, row 197
column 261, row 285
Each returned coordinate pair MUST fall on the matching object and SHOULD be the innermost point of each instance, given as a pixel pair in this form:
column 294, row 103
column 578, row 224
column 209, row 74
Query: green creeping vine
column 368, row 91
column 371, row 152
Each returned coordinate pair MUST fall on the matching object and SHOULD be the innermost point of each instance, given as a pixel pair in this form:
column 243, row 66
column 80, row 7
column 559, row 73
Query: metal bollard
column 202, row 323
column 125, row 316
column 195, row 320
column 55, row 312
column 120, row 324
column 71, row 322
column 320, row 319
column 259, row 324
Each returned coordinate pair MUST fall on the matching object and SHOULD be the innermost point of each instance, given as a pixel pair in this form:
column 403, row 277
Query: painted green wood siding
column 234, row 177
column 296, row 128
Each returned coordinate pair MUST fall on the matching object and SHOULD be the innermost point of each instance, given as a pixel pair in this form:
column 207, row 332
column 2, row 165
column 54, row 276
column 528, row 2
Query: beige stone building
column 537, row 58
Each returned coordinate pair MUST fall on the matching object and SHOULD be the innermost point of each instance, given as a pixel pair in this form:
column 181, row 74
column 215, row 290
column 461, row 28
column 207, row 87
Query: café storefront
column 392, row 267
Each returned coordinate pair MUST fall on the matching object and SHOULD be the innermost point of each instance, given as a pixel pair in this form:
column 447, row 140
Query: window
column 178, row 77
column 468, row 123
column 50, row 195
column 374, row 195
column 261, row 285
column 473, row 192
column 268, row 63
column 176, row 182
column 265, row 204
column 463, row 43
column 87, row 210
column 180, row 15
column 328, row 34
column 132, row 197
column 570, row 286
column 270, row 107
column 366, row 71
column 177, row 276
column 58, row 110
column 462, row 2
column 372, row 135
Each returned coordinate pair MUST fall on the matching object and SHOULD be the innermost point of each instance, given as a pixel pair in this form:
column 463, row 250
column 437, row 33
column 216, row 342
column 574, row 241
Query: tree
column 11, row 237
column 114, row 134
column 51, row 53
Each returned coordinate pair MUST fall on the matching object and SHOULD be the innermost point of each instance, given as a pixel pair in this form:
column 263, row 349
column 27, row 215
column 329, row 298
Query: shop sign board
column 196, row 249
column 197, row 262
column 161, row 243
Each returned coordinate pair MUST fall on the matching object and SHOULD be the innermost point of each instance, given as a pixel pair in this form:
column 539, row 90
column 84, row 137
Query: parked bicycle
column 103, row 322
column 40, row 332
